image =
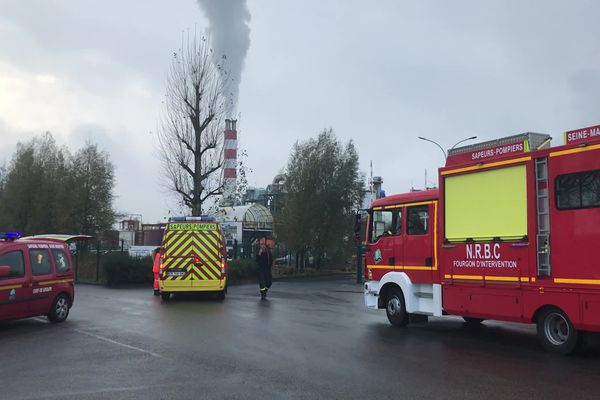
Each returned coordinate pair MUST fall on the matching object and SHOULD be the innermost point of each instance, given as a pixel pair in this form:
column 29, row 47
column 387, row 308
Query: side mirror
column 5, row 270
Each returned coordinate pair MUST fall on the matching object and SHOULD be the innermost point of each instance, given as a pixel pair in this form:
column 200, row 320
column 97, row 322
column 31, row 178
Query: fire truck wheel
column 221, row 295
column 165, row 296
column 60, row 309
column 395, row 308
column 555, row 332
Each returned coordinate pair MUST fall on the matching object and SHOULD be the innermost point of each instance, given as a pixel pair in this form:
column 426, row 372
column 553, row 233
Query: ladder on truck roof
column 543, row 217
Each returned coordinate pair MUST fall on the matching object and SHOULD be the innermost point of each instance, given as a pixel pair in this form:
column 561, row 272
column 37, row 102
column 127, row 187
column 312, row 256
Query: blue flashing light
column 202, row 218
column 10, row 235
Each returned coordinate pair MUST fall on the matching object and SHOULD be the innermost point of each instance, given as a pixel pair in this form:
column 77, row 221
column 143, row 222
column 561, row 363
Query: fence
column 94, row 263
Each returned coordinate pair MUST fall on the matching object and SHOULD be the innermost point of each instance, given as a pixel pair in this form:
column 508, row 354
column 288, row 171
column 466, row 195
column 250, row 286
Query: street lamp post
column 441, row 148
column 436, row 143
column 464, row 140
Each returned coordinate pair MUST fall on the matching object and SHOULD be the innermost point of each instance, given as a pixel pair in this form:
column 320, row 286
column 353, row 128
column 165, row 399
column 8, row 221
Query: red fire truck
column 509, row 235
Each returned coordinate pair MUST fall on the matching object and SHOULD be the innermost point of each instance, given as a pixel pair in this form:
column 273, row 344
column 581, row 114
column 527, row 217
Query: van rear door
column 207, row 263
column 192, row 254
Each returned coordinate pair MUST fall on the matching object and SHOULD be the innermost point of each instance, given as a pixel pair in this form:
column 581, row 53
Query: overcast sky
column 379, row 72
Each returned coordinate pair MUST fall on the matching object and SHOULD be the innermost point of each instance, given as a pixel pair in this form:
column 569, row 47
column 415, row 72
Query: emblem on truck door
column 377, row 256
column 11, row 295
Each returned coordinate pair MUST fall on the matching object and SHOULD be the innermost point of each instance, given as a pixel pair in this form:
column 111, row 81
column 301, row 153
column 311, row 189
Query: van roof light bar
column 10, row 235
column 202, row 218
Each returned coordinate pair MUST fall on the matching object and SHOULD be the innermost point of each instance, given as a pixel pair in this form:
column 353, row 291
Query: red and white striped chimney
column 230, row 159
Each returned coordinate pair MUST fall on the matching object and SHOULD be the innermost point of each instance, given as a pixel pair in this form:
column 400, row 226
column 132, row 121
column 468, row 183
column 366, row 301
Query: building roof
column 255, row 216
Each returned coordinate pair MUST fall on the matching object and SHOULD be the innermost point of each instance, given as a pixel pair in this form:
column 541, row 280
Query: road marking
column 104, row 390
column 105, row 339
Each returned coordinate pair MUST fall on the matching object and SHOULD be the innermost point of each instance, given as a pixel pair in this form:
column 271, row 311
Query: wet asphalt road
column 312, row 339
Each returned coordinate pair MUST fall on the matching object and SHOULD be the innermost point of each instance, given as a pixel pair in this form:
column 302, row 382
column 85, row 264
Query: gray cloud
column 378, row 74
column 585, row 86
column 136, row 171
column 387, row 74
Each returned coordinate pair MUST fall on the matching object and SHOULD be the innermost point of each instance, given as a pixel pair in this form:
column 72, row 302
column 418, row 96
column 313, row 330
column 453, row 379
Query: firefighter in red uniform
column 156, row 269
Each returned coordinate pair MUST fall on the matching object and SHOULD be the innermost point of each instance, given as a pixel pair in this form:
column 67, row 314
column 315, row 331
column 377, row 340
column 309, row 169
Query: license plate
column 176, row 272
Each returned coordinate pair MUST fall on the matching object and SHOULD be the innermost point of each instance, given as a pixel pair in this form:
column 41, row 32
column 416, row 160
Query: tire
column 165, row 296
column 472, row 321
column 555, row 332
column 156, row 292
column 60, row 309
column 395, row 308
column 221, row 295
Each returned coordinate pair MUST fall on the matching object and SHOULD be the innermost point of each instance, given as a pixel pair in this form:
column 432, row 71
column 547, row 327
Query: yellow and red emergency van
column 193, row 257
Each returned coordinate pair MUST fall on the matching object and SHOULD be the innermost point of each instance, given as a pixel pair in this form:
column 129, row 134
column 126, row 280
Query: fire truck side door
column 418, row 238
column 399, row 238
column 574, row 216
column 383, row 234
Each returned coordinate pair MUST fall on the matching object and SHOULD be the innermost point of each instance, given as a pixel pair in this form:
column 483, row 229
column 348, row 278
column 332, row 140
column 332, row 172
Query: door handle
column 392, row 260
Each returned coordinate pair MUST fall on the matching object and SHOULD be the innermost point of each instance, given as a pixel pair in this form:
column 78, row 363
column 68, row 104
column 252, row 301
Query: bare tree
column 190, row 131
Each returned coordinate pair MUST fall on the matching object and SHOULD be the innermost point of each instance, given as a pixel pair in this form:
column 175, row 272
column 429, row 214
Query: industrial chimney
column 230, row 161
column 377, row 183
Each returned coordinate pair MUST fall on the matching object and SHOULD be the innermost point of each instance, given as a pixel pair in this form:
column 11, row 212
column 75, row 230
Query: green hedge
column 241, row 269
column 120, row 268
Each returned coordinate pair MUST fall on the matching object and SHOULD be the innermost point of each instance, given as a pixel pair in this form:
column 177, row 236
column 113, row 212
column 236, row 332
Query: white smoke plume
column 230, row 34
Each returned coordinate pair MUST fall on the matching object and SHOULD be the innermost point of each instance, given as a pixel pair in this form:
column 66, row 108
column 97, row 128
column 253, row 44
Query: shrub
column 241, row 269
column 120, row 268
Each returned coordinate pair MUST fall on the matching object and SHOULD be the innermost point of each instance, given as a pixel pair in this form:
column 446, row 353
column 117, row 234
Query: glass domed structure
column 244, row 225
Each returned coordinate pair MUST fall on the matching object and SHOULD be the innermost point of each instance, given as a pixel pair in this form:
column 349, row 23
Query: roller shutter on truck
column 486, row 205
